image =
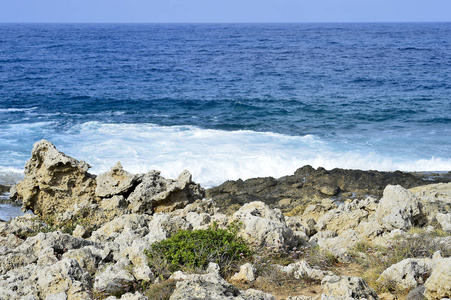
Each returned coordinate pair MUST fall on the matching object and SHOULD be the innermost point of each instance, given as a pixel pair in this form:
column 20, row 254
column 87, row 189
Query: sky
column 223, row 11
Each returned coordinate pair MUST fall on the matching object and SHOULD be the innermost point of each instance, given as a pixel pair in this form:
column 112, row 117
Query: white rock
column 346, row 288
column 246, row 273
column 438, row 285
column 408, row 272
column 445, row 221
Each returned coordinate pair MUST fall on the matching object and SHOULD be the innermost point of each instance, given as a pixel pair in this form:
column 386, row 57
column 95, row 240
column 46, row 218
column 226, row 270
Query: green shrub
column 190, row 250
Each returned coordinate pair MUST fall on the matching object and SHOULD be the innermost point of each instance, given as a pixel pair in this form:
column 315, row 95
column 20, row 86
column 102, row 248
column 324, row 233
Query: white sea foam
column 212, row 156
column 17, row 109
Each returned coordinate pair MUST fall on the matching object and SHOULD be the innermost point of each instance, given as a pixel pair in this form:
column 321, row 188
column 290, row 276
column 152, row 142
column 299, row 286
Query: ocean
column 228, row 101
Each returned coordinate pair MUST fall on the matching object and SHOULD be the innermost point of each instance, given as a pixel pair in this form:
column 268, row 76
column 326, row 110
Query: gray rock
column 445, row 221
column 346, row 288
column 117, row 181
column 263, row 226
column 408, row 273
column 113, row 278
column 438, row 285
column 398, row 209
column 416, row 293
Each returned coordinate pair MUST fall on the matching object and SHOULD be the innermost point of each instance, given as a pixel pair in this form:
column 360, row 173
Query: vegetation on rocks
column 190, row 250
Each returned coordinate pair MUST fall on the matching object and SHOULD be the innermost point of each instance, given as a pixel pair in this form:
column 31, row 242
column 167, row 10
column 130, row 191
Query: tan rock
column 246, row 273
column 438, row 285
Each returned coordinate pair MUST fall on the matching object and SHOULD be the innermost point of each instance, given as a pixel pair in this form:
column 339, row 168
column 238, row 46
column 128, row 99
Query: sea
column 228, row 101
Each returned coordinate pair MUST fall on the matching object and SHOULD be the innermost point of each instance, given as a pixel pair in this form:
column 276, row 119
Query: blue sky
column 218, row 11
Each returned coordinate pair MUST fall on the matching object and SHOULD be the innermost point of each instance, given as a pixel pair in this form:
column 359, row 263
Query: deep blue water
column 228, row 100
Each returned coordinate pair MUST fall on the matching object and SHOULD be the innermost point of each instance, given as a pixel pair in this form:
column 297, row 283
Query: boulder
column 53, row 182
column 340, row 245
column 115, row 182
column 398, row 209
column 346, row 288
column 434, row 198
column 156, row 194
column 301, row 269
column 445, row 221
column 438, row 285
column 246, row 273
column 408, row 273
column 263, row 226
column 113, row 278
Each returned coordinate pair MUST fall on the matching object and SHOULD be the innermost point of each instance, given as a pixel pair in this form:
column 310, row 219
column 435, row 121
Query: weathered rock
column 307, row 184
column 263, row 226
column 246, row 273
column 157, row 194
column 59, row 187
column 252, row 294
column 340, row 245
column 53, row 181
column 408, row 273
column 65, row 276
column 438, row 285
column 445, row 221
column 209, row 286
column 114, row 277
column 434, row 198
column 115, row 182
column 416, row 293
column 398, row 209
column 301, row 269
column 346, row 288
column 130, row 296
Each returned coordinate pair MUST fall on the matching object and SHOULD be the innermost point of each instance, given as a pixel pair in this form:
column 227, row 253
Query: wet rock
column 307, row 184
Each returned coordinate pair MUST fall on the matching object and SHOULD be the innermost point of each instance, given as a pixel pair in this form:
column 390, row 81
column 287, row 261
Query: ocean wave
column 8, row 110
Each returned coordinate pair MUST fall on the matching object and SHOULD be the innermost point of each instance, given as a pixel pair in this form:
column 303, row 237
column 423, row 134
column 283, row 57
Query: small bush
column 190, row 250
column 162, row 290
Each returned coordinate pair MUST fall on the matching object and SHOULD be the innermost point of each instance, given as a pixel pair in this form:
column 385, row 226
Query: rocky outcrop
column 434, row 198
column 346, row 288
column 438, row 285
column 263, row 226
column 307, row 184
column 58, row 187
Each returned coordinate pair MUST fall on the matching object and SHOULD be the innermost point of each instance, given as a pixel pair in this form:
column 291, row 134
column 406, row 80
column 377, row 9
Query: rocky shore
column 316, row 234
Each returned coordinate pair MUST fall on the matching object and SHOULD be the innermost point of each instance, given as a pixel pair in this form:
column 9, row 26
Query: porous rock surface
column 59, row 187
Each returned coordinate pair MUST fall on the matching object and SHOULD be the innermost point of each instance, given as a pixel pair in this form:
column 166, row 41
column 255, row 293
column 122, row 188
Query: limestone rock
column 408, row 273
column 302, row 269
column 130, row 296
column 263, row 226
column 346, row 288
column 53, row 181
column 65, row 276
column 114, row 277
column 445, row 221
column 340, row 245
column 398, row 209
column 209, row 286
column 438, row 285
column 117, row 181
column 252, row 294
column 157, row 194
column 246, row 273
column 434, row 198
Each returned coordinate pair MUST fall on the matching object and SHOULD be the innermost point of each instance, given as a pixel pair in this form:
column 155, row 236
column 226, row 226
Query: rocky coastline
column 316, row 234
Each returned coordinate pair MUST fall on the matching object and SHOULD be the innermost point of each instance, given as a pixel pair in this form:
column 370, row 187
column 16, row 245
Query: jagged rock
column 398, row 209
column 113, row 278
column 117, row 225
column 408, row 273
column 301, row 269
column 246, row 273
column 252, row 294
column 307, row 184
column 434, row 198
column 416, row 293
column 445, row 221
column 53, row 182
column 438, row 285
column 341, row 219
column 263, row 226
column 65, row 276
column 117, row 181
column 197, row 219
column 130, row 296
column 157, row 194
column 59, row 187
column 346, row 288
column 340, row 245
column 388, row 296
column 209, row 286
column 86, row 258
